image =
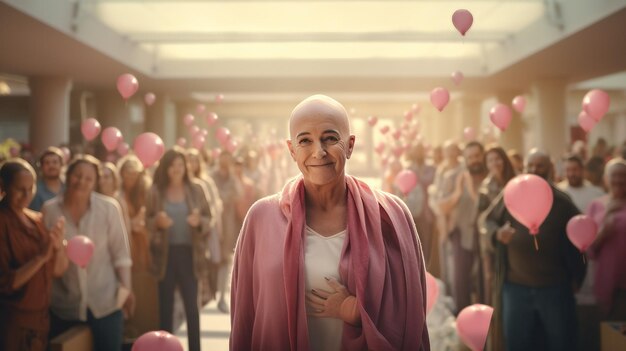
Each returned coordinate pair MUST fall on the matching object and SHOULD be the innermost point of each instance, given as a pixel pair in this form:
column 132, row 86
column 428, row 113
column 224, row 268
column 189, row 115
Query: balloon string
column 536, row 243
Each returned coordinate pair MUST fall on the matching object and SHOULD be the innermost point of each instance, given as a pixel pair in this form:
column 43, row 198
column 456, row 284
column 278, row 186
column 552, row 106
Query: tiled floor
column 214, row 329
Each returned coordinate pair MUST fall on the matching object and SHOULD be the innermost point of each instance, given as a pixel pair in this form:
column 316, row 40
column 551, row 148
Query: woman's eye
column 304, row 141
column 331, row 139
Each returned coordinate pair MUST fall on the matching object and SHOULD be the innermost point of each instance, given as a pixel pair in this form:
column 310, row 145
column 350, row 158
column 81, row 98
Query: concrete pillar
column 513, row 137
column 49, row 108
column 550, row 121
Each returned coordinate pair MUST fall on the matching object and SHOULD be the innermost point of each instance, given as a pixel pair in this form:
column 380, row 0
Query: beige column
column 550, row 122
column 49, row 109
column 513, row 137
column 160, row 118
column 470, row 113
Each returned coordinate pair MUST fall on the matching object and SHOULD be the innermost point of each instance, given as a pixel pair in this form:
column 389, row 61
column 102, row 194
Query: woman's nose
column 320, row 151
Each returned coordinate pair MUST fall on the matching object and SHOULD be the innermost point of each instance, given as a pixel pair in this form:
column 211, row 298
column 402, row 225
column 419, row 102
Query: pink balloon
column 188, row 119
column 231, row 145
column 384, row 130
column 398, row 151
column 127, row 85
column 79, row 250
column 415, row 108
column 215, row 153
column 111, row 138
column 200, row 108
column 122, row 149
column 90, row 128
column 457, row 77
column 439, row 97
column 211, row 118
column 462, row 20
column 149, row 148
column 182, row 142
column 472, row 325
column 432, row 292
column 222, row 134
column 198, row 141
column 157, row 341
column 380, row 148
column 581, row 231
column 519, row 103
column 406, row 181
column 586, row 122
column 219, row 98
column 372, row 120
column 596, row 103
column 149, row 99
column 501, row 116
column 408, row 115
column 396, row 134
column 469, row 133
column 194, row 130
column 529, row 199
column 204, row 132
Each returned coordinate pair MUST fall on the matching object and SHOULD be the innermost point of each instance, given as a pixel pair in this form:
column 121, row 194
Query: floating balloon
column 182, row 142
column 127, row 85
column 586, row 122
column 79, row 250
column 432, row 292
column 219, row 98
column 194, row 130
column 596, row 103
column 198, row 141
column 398, row 151
column 469, row 133
column 439, row 97
column 472, row 325
column 528, row 198
column 157, row 341
column 231, row 145
column 462, row 20
column 501, row 116
column 122, row 149
column 372, row 120
column 384, row 130
column 408, row 115
column 188, row 119
column 149, row 99
column 90, row 128
column 406, row 181
column 415, row 108
column 581, row 231
column 149, row 148
column 396, row 134
column 222, row 134
column 380, row 148
column 519, row 103
column 200, row 108
column 211, row 118
column 204, row 132
column 111, row 138
column 457, row 77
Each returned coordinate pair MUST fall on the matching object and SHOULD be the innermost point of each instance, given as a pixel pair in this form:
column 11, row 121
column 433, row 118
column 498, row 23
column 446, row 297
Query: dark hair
column 12, row 167
column 137, row 195
column 474, row 143
column 161, row 178
column 508, row 172
column 575, row 158
column 84, row 158
column 51, row 150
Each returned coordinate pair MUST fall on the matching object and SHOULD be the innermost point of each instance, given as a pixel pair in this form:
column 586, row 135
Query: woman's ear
column 351, row 142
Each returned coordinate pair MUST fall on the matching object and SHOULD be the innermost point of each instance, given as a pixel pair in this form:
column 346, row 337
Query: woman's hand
column 194, row 218
column 322, row 303
column 129, row 306
column 163, row 221
column 505, row 233
column 57, row 234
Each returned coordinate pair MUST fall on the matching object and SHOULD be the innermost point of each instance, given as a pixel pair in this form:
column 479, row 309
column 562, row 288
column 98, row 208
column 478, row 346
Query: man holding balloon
column 539, row 280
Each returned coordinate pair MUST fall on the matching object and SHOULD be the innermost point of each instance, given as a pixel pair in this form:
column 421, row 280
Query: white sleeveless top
column 321, row 259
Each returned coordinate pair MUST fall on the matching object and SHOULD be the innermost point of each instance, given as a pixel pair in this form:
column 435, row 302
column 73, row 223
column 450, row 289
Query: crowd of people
column 176, row 227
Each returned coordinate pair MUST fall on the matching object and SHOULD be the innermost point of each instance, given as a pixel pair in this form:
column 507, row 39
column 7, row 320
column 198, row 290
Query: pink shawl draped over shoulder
column 381, row 264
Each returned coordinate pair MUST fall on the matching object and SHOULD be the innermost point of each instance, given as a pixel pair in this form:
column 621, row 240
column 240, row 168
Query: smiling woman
column 349, row 271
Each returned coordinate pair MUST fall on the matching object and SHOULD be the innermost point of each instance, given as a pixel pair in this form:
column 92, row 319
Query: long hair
column 508, row 172
column 201, row 171
column 161, row 178
column 137, row 194
column 114, row 173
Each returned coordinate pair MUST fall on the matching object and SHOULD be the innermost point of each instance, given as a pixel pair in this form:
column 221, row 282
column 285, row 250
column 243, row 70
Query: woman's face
column 129, row 174
column 107, row 182
column 176, row 171
column 20, row 194
column 617, row 184
column 82, row 180
column 495, row 164
column 194, row 163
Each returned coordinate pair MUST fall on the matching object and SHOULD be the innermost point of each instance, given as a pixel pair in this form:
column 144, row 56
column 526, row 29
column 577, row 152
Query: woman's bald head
column 320, row 107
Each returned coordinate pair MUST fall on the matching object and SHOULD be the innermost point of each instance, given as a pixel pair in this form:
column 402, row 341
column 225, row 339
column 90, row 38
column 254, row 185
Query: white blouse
column 321, row 259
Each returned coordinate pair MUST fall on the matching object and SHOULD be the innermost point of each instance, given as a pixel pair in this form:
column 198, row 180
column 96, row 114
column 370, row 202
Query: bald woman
column 328, row 263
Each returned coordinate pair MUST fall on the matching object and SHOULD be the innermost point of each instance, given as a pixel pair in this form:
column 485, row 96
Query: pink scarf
column 381, row 264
